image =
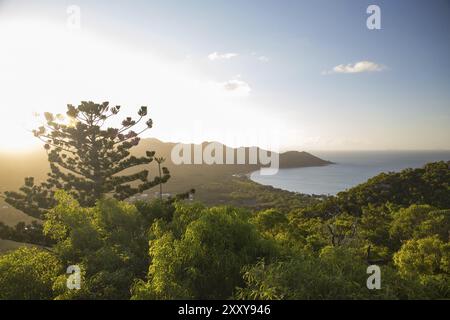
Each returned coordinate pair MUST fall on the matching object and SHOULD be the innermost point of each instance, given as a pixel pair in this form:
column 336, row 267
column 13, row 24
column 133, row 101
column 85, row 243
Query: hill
column 214, row 184
column 429, row 185
column 14, row 167
column 187, row 176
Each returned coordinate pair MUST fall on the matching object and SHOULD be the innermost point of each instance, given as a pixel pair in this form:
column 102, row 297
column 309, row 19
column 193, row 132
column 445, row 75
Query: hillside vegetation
column 184, row 250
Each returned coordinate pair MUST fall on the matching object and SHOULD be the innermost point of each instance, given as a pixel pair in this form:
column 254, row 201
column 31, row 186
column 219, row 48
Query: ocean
column 350, row 169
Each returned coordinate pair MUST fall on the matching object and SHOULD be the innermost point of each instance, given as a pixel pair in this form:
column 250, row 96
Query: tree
column 427, row 185
column 427, row 256
column 200, row 254
column 419, row 221
column 342, row 229
column 374, row 225
column 270, row 221
column 335, row 273
column 108, row 242
column 28, row 273
column 87, row 160
column 428, row 260
column 28, row 233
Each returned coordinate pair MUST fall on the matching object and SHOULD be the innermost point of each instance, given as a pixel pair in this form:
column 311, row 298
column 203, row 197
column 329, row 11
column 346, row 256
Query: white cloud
column 236, row 86
column 222, row 56
column 358, row 67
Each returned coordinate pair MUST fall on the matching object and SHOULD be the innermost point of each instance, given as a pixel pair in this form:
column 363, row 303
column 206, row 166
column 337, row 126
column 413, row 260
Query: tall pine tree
column 88, row 160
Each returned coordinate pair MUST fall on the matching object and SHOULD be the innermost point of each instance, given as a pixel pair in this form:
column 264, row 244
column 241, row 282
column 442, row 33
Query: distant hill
column 429, row 185
column 296, row 159
column 14, row 167
column 186, row 176
column 290, row 159
column 214, row 184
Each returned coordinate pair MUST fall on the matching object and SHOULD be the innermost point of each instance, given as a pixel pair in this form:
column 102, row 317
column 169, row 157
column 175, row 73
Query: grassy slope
column 242, row 192
column 11, row 216
column 7, row 245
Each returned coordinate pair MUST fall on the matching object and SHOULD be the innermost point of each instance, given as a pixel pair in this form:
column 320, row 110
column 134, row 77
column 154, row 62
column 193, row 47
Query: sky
column 298, row 75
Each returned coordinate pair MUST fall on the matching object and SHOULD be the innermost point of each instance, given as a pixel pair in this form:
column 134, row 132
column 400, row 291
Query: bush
column 28, row 273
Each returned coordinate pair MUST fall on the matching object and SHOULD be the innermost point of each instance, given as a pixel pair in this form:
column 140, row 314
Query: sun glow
column 44, row 66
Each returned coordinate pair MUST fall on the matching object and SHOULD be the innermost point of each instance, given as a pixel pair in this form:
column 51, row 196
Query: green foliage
column 270, row 221
column 108, row 242
column 342, row 229
column 427, row 259
column 427, row 185
column 374, row 225
column 419, row 221
column 174, row 250
column 28, row 273
column 244, row 193
column 427, row 256
column 199, row 255
column 334, row 273
column 155, row 210
column 25, row 233
column 306, row 233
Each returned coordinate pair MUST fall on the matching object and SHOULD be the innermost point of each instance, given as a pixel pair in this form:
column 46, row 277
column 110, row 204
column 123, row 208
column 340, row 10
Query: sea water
column 350, row 169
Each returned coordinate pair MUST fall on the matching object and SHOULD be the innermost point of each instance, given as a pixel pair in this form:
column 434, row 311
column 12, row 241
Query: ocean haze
column 350, row 168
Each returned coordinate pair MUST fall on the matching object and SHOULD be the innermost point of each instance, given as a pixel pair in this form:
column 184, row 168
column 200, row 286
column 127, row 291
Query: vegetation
column 243, row 192
column 258, row 243
column 28, row 273
column 179, row 250
column 427, row 185
column 200, row 254
column 28, row 233
column 108, row 242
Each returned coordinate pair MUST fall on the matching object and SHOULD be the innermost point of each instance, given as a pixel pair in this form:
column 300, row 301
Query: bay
column 350, row 169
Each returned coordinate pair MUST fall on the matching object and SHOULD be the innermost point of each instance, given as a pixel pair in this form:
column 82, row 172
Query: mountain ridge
column 15, row 167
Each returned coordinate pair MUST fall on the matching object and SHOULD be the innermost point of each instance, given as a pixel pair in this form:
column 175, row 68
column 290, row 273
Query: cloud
column 222, row 56
column 358, row 67
column 236, row 86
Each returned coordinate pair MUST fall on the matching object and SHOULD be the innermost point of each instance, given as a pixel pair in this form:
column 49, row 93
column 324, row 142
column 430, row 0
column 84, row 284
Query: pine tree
column 87, row 160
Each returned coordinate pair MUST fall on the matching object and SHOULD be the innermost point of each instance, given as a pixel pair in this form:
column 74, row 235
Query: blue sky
column 274, row 60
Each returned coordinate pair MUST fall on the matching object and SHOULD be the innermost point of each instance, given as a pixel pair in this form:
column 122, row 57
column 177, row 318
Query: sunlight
column 45, row 67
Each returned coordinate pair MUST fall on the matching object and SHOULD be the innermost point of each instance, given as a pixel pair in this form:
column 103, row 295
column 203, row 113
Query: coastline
column 348, row 170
